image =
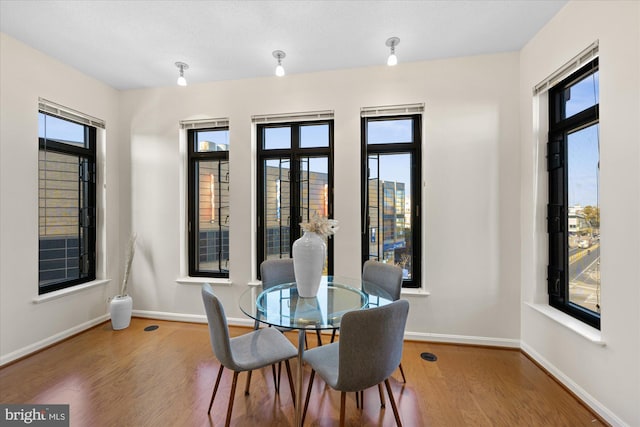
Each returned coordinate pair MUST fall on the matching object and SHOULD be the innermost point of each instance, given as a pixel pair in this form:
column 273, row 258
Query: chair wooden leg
column 343, row 401
column 275, row 379
column 306, row 400
column 279, row 372
column 291, row 387
column 231, row 396
column 393, row 403
column 215, row 388
column 360, row 399
column 381, row 395
column 404, row 380
column 246, row 387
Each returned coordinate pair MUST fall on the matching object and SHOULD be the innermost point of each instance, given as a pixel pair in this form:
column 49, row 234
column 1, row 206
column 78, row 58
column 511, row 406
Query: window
column 295, row 182
column 391, row 192
column 66, row 202
column 208, row 201
column 573, row 163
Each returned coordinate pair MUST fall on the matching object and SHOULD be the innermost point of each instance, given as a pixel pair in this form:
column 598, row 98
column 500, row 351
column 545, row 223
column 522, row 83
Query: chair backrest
column 371, row 343
column 387, row 276
column 218, row 329
column 276, row 272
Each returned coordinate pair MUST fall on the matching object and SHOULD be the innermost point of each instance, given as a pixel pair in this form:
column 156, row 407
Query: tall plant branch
column 127, row 267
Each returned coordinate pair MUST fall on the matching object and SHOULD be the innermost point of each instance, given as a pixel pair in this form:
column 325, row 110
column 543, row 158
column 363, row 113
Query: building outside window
column 391, row 150
column 573, row 155
column 66, row 199
column 208, row 201
column 295, row 183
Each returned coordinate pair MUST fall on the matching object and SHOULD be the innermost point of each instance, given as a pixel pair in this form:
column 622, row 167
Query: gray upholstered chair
column 389, row 278
column 247, row 352
column 369, row 350
column 386, row 276
column 275, row 272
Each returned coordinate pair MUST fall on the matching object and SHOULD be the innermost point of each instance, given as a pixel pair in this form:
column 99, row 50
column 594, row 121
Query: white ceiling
column 134, row 44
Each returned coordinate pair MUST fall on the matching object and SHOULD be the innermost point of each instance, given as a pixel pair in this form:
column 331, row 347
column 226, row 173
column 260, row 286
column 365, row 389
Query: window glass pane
column 314, row 191
column 212, row 245
column 212, row 140
column 389, row 209
column 61, row 130
column 59, row 204
column 584, row 218
column 277, row 207
column 389, row 131
column 275, row 138
column 314, row 136
column 582, row 95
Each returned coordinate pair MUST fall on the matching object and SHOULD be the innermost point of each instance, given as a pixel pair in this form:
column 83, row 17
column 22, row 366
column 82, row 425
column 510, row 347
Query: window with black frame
column 208, row 202
column 295, row 183
column 573, row 163
column 66, row 202
column 391, row 201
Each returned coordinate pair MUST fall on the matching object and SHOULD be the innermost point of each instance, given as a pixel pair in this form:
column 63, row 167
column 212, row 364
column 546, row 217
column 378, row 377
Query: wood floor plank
column 165, row 378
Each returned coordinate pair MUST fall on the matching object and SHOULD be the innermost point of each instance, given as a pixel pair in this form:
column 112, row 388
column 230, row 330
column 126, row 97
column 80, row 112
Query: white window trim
column 587, row 55
column 392, row 110
column 49, row 107
column 183, row 194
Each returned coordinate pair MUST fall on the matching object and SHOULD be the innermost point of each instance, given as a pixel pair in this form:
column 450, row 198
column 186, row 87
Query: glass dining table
column 282, row 306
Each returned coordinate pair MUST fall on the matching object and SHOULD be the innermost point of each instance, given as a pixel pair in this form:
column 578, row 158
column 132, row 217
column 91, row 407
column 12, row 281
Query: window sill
column 202, row 280
column 68, row 291
column 580, row 328
column 419, row 292
column 415, row 292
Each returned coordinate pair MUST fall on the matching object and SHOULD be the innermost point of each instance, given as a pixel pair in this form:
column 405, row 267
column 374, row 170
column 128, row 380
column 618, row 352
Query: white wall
column 471, row 193
column 607, row 377
column 25, row 75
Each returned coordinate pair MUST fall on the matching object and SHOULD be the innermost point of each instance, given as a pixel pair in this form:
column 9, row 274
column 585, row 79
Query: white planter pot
column 120, row 310
column 308, row 263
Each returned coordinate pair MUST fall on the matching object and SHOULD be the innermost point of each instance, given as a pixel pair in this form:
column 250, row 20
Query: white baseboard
column 190, row 318
column 462, row 339
column 32, row 348
column 415, row 336
column 585, row 397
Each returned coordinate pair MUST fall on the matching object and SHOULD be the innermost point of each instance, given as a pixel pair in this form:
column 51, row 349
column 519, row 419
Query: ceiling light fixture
column 182, row 66
column 278, row 54
column 392, row 42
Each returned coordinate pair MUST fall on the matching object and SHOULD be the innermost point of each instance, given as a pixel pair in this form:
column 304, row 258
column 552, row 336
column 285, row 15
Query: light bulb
column 392, row 42
column 279, row 70
column 181, row 67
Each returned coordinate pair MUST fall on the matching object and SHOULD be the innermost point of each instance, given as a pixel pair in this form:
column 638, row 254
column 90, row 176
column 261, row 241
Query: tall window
column 573, row 156
column 295, row 182
column 208, row 205
column 391, row 193
column 66, row 203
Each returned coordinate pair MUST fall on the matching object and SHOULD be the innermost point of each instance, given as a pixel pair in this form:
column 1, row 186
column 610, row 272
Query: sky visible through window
column 583, row 148
column 55, row 128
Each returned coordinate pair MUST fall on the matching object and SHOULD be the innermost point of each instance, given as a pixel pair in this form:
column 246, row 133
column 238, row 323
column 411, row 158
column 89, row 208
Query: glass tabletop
column 282, row 306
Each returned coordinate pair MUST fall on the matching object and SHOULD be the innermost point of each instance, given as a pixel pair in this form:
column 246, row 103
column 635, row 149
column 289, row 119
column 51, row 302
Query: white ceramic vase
column 308, row 263
column 120, row 310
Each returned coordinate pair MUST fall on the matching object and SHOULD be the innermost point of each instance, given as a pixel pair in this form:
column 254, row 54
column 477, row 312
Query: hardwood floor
column 165, row 378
